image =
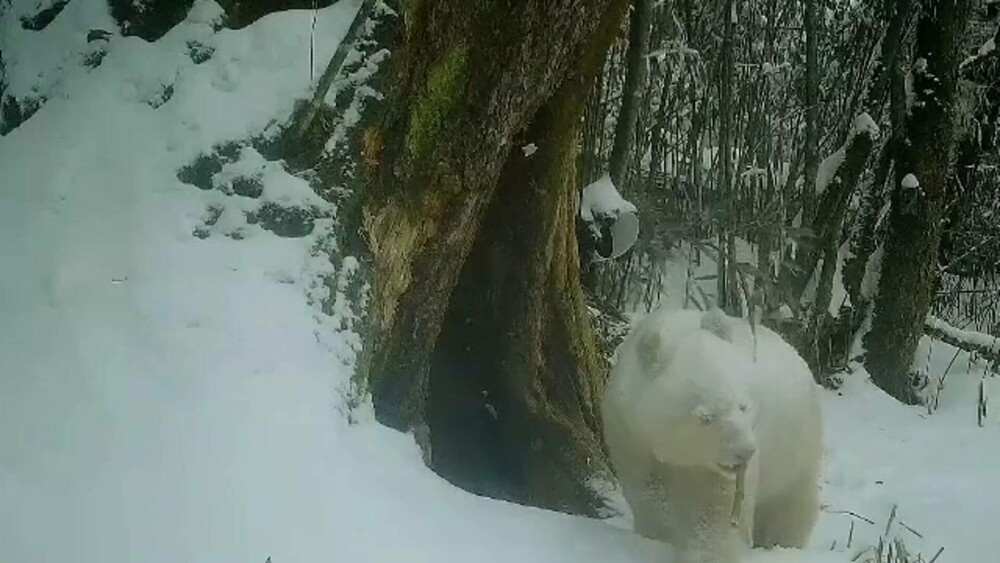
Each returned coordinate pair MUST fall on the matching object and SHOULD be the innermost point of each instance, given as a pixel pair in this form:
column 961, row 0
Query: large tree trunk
column 909, row 267
column 480, row 339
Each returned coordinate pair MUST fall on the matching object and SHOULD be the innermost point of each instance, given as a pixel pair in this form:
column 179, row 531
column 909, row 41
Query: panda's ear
column 716, row 322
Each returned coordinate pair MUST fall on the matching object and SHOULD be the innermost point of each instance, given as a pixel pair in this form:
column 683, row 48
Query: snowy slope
column 939, row 469
column 168, row 398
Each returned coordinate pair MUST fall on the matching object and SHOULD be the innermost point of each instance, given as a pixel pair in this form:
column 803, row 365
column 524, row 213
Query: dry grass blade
column 911, row 530
column 892, row 518
column 853, row 515
column 901, row 554
column 861, row 553
column 890, row 548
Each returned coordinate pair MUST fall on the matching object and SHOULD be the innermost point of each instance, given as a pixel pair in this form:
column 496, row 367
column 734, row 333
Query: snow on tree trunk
column 835, row 183
column 909, row 267
column 863, row 236
column 480, row 339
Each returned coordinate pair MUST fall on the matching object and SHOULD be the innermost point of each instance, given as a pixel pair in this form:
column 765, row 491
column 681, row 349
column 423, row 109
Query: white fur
column 693, row 394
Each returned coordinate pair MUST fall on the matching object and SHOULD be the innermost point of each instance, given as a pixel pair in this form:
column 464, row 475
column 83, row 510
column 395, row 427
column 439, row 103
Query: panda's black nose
column 743, row 455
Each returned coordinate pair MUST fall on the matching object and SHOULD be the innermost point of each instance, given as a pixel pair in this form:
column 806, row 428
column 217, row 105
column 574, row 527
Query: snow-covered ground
column 168, row 398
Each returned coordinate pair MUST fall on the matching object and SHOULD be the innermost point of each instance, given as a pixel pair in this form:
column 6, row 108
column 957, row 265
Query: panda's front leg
column 710, row 534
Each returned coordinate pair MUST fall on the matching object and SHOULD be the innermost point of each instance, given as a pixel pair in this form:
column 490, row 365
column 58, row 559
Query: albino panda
column 695, row 401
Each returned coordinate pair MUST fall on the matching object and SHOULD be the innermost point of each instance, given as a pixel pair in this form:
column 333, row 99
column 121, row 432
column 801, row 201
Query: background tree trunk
column 477, row 308
column 727, row 295
column 636, row 71
column 812, row 106
column 863, row 238
column 909, row 268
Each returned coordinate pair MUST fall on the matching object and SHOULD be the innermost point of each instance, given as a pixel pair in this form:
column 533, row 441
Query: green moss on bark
column 437, row 105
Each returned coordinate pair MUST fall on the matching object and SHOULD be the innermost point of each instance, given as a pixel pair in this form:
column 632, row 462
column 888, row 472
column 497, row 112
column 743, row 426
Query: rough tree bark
column 909, row 267
column 636, row 70
column 480, row 339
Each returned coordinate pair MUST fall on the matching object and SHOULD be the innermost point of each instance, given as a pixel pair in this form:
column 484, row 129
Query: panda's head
column 697, row 412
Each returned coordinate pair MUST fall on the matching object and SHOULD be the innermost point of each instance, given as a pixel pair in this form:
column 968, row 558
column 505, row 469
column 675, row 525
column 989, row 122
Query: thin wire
column 312, row 44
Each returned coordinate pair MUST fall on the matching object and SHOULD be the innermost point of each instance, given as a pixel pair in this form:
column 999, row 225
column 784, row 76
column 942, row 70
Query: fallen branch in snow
column 986, row 345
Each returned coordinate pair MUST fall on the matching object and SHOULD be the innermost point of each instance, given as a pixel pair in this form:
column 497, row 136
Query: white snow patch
column 936, row 469
column 873, row 274
column 529, row 149
column 838, row 295
column 601, row 199
column 922, row 355
column 864, row 123
column 984, row 50
column 39, row 64
column 910, row 182
column 827, row 170
column 206, row 12
column 987, row 48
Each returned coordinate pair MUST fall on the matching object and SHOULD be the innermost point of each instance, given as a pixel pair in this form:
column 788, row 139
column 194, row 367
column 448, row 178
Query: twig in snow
column 911, row 530
column 981, row 407
column 853, row 514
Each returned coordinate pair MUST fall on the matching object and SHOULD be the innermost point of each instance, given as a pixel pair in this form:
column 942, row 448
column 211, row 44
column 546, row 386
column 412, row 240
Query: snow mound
column 601, row 199
column 910, row 182
column 613, row 221
column 864, row 123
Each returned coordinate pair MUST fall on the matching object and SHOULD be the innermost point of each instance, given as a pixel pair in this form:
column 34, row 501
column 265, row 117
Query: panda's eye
column 704, row 416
